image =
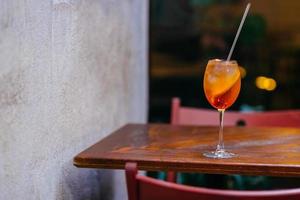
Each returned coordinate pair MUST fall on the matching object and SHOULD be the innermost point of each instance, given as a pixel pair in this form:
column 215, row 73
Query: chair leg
column 171, row 177
column 175, row 110
column 132, row 185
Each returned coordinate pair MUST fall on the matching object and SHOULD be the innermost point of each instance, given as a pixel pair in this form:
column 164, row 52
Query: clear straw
column 239, row 30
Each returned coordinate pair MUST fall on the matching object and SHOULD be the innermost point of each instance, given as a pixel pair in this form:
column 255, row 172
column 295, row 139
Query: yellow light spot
column 272, row 85
column 243, row 71
column 265, row 83
column 259, row 82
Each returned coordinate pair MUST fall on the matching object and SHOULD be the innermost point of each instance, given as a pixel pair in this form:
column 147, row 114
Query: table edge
column 212, row 168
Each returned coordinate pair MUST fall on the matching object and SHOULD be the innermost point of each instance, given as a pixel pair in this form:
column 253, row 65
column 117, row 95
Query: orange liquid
column 225, row 100
column 222, row 83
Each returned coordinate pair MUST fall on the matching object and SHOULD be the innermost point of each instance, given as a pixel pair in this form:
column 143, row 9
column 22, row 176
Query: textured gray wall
column 71, row 72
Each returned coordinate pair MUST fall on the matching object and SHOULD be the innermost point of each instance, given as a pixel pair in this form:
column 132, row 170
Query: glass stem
column 220, row 146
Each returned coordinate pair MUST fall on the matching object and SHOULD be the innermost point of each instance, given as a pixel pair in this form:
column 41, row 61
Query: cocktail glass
column 222, row 83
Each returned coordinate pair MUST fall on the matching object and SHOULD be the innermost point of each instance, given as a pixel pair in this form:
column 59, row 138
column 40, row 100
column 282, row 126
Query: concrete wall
column 71, row 72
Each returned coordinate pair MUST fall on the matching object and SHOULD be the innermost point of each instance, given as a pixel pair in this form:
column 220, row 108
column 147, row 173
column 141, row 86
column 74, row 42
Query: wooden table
column 261, row 151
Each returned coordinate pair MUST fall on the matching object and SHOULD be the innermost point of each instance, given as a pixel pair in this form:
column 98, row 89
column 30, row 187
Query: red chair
column 144, row 188
column 194, row 116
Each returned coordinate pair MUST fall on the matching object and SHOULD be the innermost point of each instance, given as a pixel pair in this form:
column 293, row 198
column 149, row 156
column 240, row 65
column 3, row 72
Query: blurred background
column 185, row 34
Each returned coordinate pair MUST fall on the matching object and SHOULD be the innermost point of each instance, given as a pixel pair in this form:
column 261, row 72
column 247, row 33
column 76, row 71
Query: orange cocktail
column 222, row 83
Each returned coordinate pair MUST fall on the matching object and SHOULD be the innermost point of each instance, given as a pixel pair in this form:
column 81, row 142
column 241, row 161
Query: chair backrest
column 195, row 116
column 144, row 188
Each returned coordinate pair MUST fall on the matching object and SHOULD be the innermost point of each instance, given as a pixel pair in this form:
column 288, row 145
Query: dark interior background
column 185, row 34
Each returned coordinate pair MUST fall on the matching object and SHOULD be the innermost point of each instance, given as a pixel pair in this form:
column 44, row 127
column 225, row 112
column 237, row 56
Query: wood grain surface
column 260, row 151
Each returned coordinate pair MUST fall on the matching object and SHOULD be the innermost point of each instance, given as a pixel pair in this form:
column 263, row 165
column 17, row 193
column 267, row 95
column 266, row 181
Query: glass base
column 219, row 154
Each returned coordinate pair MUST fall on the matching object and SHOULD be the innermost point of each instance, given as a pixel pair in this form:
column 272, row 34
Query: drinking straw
column 239, row 30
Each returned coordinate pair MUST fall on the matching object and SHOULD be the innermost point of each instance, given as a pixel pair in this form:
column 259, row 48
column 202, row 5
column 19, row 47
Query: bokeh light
column 243, row 71
column 265, row 83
